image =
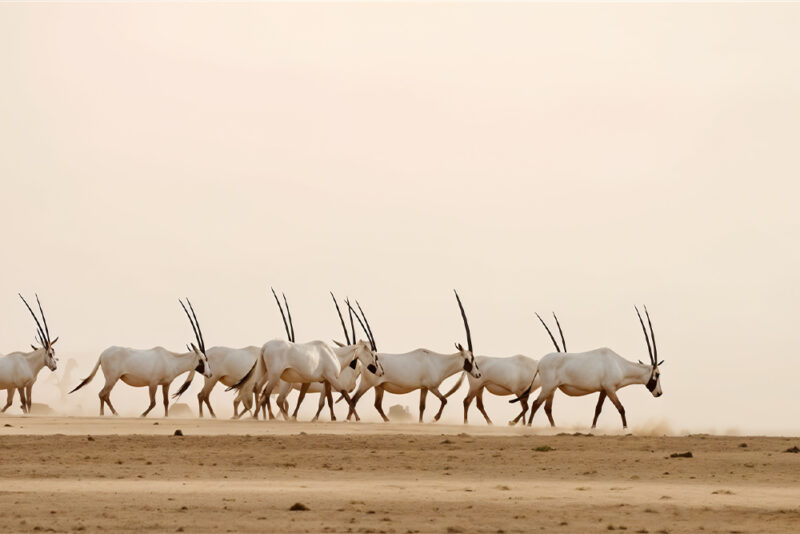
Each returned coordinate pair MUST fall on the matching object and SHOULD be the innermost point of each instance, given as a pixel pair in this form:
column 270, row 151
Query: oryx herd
column 349, row 369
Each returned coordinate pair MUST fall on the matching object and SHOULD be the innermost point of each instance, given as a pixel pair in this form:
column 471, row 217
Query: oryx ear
column 54, row 341
column 659, row 363
column 338, row 343
column 640, row 361
column 459, row 347
column 34, row 347
column 354, row 363
column 195, row 349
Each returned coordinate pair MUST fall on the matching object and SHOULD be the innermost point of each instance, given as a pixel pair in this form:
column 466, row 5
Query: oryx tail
column 455, row 387
column 250, row 376
column 527, row 391
column 88, row 378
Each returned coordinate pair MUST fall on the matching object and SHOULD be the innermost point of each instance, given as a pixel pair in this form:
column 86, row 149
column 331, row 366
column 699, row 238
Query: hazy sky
column 538, row 157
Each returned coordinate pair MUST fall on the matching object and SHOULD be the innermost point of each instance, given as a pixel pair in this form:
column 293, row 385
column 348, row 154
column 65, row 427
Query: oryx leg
column 524, row 405
column 28, row 395
column 548, row 409
column 9, row 400
column 205, row 395
column 612, row 396
column 329, row 396
column 598, row 408
column 379, row 403
column 321, row 403
column 479, row 402
column 265, row 394
column 467, row 401
column 23, row 403
column 543, row 396
column 347, row 398
column 165, row 391
column 442, row 398
column 152, row 391
column 105, row 394
column 358, row 395
column 423, row 393
column 247, row 402
column 266, row 406
column 303, row 390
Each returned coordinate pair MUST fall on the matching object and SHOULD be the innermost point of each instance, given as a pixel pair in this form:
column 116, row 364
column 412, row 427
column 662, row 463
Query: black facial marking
column 467, row 366
column 353, row 364
column 200, row 366
column 652, row 383
column 372, row 369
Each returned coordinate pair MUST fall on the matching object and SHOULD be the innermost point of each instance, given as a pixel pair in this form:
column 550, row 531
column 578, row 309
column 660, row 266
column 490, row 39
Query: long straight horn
column 549, row 333
column 652, row 335
column 371, row 337
column 285, row 324
column 40, row 331
column 364, row 328
column 466, row 324
column 563, row 343
column 646, row 337
column 47, row 331
column 341, row 319
column 289, row 313
column 199, row 331
column 352, row 324
column 191, row 321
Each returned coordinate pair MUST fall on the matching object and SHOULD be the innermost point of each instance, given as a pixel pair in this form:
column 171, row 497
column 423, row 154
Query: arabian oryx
column 351, row 367
column 151, row 367
column 420, row 369
column 19, row 370
column 227, row 366
column 507, row 376
column 599, row 370
column 304, row 363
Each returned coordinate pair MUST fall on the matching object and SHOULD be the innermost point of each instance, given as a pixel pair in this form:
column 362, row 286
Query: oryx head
column 470, row 365
column 43, row 336
column 366, row 352
column 200, row 353
column 654, row 382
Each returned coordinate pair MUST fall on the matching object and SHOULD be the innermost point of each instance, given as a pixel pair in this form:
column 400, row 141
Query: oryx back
column 139, row 367
column 505, row 376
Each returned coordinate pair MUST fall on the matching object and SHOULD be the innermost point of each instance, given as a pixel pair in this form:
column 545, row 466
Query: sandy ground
column 116, row 474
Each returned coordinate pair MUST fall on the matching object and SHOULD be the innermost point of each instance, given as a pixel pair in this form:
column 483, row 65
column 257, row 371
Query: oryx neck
column 455, row 362
column 36, row 359
column 636, row 373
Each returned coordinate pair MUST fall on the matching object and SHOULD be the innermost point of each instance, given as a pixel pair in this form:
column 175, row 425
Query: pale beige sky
column 580, row 158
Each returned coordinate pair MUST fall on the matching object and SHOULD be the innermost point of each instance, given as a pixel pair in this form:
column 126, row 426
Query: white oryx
column 19, row 370
column 351, row 368
column 151, row 368
column 599, row 370
column 508, row 376
column 304, row 363
column 420, row 369
column 227, row 366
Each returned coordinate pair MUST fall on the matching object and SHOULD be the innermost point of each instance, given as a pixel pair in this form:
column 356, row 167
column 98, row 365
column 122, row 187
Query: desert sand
column 114, row 474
